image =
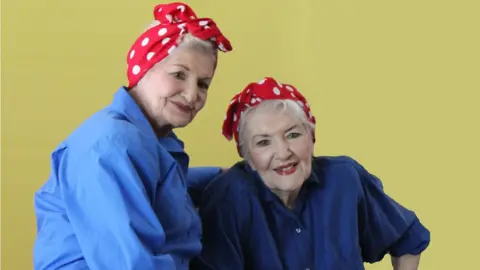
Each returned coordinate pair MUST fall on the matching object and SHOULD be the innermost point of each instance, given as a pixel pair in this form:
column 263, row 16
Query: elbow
column 415, row 241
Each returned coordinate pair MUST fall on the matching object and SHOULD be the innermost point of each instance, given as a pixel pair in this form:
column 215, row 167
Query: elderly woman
column 117, row 194
column 283, row 208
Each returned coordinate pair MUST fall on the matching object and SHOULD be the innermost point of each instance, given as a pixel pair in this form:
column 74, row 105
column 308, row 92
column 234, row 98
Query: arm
column 406, row 262
column 222, row 247
column 386, row 226
column 199, row 177
column 197, row 180
column 105, row 194
column 407, row 250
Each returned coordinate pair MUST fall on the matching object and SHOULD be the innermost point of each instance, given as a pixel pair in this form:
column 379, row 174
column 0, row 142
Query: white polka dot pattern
column 150, row 55
column 136, row 69
column 162, row 31
column 276, row 91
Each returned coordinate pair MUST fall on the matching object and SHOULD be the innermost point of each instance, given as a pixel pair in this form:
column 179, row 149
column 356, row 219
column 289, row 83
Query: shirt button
column 307, row 268
column 298, row 230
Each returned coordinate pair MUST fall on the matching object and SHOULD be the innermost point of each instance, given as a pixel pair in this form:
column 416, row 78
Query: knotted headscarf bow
column 254, row 94
column 171, row 21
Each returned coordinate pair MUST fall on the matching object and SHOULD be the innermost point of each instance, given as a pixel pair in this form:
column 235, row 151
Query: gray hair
column 286, row 105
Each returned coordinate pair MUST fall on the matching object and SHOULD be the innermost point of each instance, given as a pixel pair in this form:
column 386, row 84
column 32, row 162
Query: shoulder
column 335, row 162
column 236, row 184
column 108, row 127
column 339, row 163
column 108, row 134
column 343, row 170
column 106, row 146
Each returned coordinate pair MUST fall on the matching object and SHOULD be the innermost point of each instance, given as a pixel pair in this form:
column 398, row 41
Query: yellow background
column 393, row 83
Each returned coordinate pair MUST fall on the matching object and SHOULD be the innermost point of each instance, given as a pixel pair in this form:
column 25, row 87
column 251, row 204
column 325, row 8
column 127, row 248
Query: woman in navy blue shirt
column 284, row 208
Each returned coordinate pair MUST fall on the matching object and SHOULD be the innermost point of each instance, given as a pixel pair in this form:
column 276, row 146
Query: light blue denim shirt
column 117, row 197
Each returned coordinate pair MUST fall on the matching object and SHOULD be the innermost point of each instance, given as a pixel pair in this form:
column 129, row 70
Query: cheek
column 201, row 101
column 303, row 148
column 162, row 85
column 304, row 151
column 260, row 159
column 170, row 87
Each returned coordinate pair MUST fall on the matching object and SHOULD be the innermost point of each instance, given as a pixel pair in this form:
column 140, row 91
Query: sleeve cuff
column 415, row 240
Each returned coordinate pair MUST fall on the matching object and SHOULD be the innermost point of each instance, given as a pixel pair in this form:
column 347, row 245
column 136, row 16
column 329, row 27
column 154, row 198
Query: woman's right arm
column 105, row 195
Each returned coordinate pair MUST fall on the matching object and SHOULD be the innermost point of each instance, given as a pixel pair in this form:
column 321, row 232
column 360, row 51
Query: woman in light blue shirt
column 117, row 194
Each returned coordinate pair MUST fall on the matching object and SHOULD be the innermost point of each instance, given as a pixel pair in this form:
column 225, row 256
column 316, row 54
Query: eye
column 203, row 85
column 293, row 135
column 180, row 75
column 262, row 143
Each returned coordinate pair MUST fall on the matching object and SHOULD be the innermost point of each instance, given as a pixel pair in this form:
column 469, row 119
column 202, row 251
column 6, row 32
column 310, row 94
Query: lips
column 286, row 169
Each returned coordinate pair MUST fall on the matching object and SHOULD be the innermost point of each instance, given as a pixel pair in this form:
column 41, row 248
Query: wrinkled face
column 280, row 149
column 173, row 91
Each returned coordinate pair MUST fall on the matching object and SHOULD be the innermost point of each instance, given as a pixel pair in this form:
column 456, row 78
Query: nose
column 283, row 150
column 191, row 92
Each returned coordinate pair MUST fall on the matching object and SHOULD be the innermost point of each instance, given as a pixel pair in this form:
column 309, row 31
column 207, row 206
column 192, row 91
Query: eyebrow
column 188, row 69
column 183, row 66
column 268, row 135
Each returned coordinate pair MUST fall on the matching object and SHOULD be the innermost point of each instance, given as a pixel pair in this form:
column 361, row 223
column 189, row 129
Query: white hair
column 190, row 41
column 284, row 105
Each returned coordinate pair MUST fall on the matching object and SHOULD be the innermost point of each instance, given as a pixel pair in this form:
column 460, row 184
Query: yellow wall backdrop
column 393, row 83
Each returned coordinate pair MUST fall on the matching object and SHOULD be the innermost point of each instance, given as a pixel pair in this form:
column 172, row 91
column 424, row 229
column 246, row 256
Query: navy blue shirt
column 341, row 219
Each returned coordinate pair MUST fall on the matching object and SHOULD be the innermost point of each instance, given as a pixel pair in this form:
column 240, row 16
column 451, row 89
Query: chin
column 289, row 187
column 178, row 122
column 292, row 188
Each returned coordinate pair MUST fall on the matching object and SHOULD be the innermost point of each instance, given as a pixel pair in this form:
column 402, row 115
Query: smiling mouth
column 286, row 169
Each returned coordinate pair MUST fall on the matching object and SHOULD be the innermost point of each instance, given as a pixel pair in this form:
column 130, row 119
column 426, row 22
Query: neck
column 287, row 197
column 161, row 131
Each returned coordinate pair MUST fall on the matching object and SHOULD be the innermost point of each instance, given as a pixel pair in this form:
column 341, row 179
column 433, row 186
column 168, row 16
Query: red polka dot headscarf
column 254, row 94
column 171, row 22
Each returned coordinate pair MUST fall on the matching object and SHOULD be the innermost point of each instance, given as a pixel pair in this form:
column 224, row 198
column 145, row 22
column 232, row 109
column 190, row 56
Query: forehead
column 270, row 122
column 196, row 60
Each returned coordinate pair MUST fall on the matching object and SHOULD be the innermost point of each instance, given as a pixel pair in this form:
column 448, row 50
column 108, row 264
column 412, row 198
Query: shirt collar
column 124, row 104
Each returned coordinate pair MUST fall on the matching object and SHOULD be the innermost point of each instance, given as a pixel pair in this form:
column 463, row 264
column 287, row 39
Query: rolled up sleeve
column 414, row 241
column 385, row 225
